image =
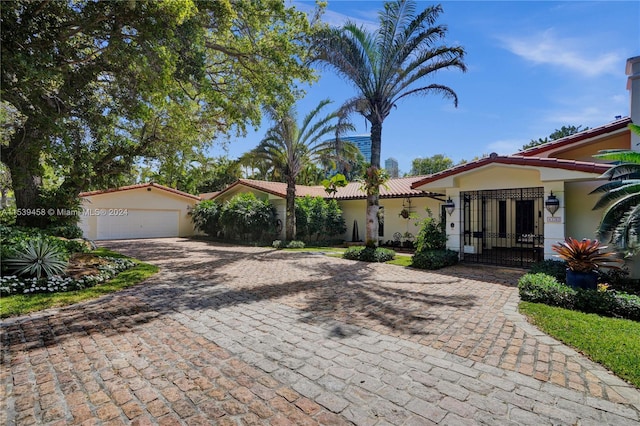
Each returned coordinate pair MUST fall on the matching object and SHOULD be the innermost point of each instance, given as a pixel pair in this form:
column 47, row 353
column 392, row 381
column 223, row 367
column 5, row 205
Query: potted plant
column 584, row 260
column 404, row 213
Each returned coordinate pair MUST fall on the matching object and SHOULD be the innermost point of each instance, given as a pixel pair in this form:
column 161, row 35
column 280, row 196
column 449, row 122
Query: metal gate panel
column 503, row 226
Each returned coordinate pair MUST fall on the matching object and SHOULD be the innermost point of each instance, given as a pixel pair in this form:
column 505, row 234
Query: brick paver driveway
column 239, row 335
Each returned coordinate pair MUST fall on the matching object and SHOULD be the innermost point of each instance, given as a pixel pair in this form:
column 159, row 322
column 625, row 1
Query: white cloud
column 548, row 48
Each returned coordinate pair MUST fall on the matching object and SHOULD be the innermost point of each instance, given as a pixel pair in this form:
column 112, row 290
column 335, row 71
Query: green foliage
column 430, row 165
column 434, row 259
column 295, row 244
column 386, row 65
column 14, row 240
column 290, row 147
column 38, row 259
column 369, row 254
column 432, row 235
column 542, row 288
column 206, row 217
column 318, row 219
column 619, row 280
column 244, row 217
column 621, row 200
column 611, row 342
column 337, row 181
column 277, row 244
column 556, row 268
column 96, row 86
column 64, row 231
column 7, row 216
column 560, row 133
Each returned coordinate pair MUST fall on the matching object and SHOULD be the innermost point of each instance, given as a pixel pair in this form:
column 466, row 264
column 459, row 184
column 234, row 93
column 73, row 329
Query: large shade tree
column 93, row 86
column 290, row 147
column 385, row 66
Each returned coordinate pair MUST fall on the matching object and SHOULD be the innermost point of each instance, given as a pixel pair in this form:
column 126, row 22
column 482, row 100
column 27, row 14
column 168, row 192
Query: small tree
column 318, row 219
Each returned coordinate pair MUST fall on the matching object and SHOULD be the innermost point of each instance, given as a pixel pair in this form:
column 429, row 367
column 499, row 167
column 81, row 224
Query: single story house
column 146, row 210
column 401, row 205
column 502, row 205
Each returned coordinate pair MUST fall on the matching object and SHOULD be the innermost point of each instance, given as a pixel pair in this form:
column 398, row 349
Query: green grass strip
column 21, row 304
column 611, row 342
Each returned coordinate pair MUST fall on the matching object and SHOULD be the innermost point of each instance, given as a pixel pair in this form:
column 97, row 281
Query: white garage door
column 139, row 224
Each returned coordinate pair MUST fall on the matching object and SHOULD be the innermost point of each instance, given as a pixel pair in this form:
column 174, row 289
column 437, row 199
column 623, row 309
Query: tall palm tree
column 385, row 66
column 289, row 147
column 621, row 197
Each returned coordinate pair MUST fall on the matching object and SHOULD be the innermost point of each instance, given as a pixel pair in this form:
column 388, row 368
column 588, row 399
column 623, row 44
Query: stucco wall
column 139, row 199
column 393, row 222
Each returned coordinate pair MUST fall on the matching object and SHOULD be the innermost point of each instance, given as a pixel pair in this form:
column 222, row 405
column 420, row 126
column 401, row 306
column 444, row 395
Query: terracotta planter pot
column 583, row 280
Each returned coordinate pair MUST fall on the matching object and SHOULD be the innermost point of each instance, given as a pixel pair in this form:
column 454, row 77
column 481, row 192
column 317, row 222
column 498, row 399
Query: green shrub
column 318, row 219
column 542, row 288
column 619, row 280
column 245, row 217
column 432, row 235
column 277, row 244
column 8, row 216
column 39, row 259
column 369, row 254
column 206, row 217
column 555, row 268
column 295, row 244
column 64, row 231
column 434, row 259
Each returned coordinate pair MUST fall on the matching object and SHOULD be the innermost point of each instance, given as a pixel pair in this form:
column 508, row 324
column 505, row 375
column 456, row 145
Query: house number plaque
column 554, row 219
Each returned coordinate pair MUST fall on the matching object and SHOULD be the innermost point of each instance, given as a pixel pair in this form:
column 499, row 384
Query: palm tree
column 289, row 147
column 384, row 65
column 621, row 197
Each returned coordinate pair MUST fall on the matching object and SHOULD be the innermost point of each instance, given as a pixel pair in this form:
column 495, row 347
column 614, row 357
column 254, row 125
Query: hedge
column 543, row 288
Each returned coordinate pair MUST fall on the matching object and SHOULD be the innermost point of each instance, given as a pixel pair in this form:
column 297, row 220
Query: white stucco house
column 145, row 210
column 396, row 197
column 501, row 215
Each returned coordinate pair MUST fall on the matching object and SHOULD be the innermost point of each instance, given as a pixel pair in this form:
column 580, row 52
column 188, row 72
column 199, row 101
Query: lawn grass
column 611, row 342
column 400, row 261
column 20, row 304
column 316, row 249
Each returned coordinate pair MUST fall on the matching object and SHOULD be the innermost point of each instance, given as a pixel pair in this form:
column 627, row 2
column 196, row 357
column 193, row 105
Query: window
column 381, row 222
column 502, row 219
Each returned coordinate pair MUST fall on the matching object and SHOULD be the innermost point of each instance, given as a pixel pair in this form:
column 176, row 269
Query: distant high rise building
column 391, row 166
column 363, row 142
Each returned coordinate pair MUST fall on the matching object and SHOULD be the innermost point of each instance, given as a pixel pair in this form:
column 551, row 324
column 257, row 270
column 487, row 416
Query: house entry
column 503, row 226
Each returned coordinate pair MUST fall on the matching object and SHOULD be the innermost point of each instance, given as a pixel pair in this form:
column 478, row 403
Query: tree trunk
column 373, row 200
column 22, row 158
column 291, row 209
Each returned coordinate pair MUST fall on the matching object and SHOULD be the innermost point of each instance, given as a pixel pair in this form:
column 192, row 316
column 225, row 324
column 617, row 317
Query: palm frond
column 622, row 195
column 621, row 171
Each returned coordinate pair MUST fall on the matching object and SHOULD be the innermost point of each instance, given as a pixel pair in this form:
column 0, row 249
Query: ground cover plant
column 66, row 294
column 611, row 342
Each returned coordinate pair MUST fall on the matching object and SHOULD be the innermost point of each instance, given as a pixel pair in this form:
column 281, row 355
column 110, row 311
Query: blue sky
column 532, row 68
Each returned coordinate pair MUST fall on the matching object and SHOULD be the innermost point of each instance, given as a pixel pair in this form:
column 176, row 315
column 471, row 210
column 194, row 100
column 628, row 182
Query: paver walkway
column 239, row 335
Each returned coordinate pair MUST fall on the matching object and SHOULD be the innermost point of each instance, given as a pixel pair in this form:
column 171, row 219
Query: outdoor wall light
column 552, row 204
column 449, row 206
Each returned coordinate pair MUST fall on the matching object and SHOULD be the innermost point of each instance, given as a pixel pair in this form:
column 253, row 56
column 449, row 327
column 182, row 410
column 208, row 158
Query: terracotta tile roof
column 208, row 195
column 586, row 134
column 138, row 186
column 397, row 188
column 519, row 160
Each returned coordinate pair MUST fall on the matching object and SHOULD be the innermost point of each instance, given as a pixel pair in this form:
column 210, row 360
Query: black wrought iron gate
column 503, row 226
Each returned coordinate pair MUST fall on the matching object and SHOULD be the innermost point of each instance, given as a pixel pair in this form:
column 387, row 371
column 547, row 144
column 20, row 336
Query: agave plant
column 38, row 259
column 585, row 255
